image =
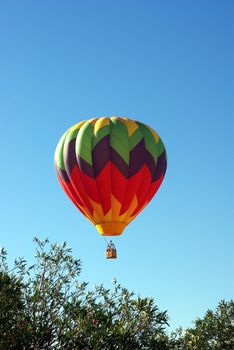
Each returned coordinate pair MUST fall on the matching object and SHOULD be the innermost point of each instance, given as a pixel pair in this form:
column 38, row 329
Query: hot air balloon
column 110, row 168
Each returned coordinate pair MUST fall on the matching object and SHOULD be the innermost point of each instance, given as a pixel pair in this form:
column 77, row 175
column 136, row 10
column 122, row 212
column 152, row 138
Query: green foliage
column 11, row 307
column 44, row 306
column 213, row 332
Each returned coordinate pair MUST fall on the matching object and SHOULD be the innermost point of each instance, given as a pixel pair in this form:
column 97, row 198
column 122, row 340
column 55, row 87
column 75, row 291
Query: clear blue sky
column 166, row 63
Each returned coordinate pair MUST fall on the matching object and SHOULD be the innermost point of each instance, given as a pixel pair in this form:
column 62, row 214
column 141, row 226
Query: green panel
column 59, row 152
column 84, row 142
column 150, row 143
column 136, row 137
column 102, row 132
column 71, row 134
column 160, row 147
column 119, row 139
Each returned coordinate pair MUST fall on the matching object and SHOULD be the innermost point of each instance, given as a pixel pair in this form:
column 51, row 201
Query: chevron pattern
column 110, row 168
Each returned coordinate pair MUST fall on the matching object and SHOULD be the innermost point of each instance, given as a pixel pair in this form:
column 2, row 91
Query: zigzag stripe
column 103, row 153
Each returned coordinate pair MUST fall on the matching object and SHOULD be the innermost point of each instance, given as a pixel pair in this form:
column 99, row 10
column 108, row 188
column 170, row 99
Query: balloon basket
column 111, row 252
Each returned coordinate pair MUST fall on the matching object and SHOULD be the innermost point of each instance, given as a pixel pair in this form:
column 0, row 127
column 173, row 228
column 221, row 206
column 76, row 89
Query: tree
column 215, row 331
column 11, row 307
column 49, row 308
column 45, row 306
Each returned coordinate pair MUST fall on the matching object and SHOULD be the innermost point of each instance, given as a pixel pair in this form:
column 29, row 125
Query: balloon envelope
column 110, row 168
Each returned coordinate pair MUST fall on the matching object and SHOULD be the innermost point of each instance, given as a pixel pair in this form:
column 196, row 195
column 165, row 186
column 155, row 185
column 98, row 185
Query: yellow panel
column 77, row 126
column 131, row 126
column 131, row 209
column 155, row 135
column 96, row 218
column 116, row 207
column 108, row 216
column 121, row 218
column 92, row 121
column 133, row 217
column 98, row 212
column 88, row 214
column 100, row 123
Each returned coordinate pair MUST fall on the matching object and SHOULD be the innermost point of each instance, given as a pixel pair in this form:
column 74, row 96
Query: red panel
column 78, row 187
column 133, row 185
column 90, row 186
column 148, row 195
column 69, row 190
column 118, row 183
column 144, row 184
column 154, row 188
column 103, row 182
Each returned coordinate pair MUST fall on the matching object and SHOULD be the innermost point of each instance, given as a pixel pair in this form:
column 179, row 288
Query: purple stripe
column 119, row 163
column 137, row 158
column 69, row 156
column 62, row 173
column 160, row 167
column 101, row 154
column 149, row 161
column 85, row 167
column 70, row 160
